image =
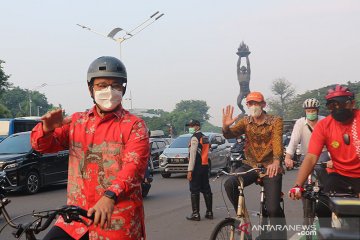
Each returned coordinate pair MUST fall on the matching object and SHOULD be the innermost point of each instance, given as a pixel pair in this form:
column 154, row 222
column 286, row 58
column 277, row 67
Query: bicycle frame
column 241, row 223
column 242, row 214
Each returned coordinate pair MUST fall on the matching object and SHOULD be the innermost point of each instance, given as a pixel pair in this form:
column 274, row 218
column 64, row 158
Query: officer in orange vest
column 198, row 171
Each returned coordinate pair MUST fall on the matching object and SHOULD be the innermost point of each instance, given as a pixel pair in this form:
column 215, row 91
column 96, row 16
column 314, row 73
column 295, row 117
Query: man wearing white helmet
column 301, row 135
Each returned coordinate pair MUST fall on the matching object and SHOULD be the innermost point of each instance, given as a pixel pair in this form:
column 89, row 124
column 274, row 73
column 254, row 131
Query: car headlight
column 163, row 159
column 11, row 165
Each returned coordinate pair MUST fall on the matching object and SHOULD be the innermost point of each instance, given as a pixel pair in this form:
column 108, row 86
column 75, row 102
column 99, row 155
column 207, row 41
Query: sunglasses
column 346, row 138
column 331, row 105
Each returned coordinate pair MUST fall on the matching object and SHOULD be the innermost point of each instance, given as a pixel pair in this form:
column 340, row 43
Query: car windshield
column 180, row 142
column 232, row 140
column 15, row 144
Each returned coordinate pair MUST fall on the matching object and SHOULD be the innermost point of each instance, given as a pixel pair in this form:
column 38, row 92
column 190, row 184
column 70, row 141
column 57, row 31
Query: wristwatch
column 110, row 194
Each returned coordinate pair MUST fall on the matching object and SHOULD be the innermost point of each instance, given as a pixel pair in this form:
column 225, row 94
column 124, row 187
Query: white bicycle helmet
column 311, row 103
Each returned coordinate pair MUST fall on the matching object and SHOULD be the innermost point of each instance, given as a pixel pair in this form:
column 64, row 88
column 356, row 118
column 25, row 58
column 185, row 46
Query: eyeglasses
column 331, row 105
column 346, row 138
column 116, row 86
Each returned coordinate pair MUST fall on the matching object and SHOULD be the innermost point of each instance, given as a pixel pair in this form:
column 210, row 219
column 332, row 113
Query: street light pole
column 36, row 88
column 130, row 98
column 29, row 103
column 38, row 108
column 127, row 34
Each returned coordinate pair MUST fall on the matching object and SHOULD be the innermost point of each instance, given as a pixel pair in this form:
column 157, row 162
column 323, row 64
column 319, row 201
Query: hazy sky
column 189, row 53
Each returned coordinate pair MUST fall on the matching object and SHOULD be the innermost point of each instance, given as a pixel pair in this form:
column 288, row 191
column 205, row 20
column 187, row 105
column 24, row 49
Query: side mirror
column 35, row 154
column 214, row 146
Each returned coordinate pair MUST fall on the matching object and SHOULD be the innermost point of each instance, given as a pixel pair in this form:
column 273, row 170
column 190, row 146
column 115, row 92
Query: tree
column 197, row 108
column 4, row 84
column 17, row 101
column 4, row 112
column 176, row 120
column 285, row 93
column 296, row 111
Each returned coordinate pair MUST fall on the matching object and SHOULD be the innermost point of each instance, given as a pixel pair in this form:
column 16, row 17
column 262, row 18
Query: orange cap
column 255, row 96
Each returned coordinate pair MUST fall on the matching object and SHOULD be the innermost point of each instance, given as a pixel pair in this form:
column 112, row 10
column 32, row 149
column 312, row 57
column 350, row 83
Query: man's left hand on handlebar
column 273, row 169
column 103, row 210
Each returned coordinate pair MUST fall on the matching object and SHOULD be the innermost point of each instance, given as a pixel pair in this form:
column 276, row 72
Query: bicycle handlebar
column 222, row 172
column 322, row 164
column 68, row 212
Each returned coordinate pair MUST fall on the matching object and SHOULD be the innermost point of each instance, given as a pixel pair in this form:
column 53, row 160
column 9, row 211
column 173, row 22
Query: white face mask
column 255, row 111
column 108, row 99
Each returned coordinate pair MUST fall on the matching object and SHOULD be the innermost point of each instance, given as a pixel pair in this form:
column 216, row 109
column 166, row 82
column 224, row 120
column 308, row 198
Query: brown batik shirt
column 263, row 141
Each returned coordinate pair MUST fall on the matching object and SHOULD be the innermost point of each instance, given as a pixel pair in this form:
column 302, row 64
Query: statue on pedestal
column 243, row 74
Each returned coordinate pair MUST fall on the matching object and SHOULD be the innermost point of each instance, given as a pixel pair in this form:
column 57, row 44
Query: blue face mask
column 191, row 130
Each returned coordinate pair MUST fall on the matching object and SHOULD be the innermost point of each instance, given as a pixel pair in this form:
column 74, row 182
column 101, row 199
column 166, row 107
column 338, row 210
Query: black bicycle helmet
column 107, row 66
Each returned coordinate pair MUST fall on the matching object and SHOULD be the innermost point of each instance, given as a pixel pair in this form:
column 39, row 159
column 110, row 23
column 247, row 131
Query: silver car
column 175, row 158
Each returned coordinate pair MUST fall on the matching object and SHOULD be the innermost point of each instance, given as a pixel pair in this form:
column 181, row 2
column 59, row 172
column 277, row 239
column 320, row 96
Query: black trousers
column 57, row 233
column 272, row 188
column 200, row 180
column 339, row 184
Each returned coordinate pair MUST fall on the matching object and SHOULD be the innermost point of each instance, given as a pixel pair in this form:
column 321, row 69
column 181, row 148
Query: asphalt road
column 166, row 207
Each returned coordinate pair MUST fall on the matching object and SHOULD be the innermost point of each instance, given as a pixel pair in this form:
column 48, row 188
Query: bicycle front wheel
column 228, row 229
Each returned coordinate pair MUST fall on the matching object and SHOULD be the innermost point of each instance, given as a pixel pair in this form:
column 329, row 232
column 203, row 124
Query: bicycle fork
column 244, row 226
column 262, row 213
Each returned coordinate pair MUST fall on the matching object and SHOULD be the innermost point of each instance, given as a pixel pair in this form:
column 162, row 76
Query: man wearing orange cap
column 263, row 133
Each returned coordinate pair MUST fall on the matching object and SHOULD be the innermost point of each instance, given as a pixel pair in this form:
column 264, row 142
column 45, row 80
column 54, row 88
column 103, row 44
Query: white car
column 175, row 158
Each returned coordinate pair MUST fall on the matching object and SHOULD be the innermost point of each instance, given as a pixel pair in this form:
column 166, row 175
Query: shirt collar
column 267, row 119
column 118, row 113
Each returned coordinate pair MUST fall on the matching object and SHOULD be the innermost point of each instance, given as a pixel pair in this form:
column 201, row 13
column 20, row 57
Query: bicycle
column 236, row 228
column 311, row 194
column 68, row 212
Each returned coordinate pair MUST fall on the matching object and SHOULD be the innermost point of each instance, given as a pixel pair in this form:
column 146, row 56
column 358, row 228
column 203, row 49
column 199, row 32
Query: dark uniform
column 199, row 173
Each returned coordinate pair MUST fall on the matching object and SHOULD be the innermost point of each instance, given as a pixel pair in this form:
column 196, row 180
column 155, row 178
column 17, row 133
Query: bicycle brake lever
column 217, row 176
column 84, row 222
column 18, row 232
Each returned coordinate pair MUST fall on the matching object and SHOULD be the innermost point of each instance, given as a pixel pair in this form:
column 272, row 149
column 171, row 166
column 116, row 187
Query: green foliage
column 208, row 127
column 183, row 112
column 284, row 93
column 17, row 100
column 296, row 110
column 196, row 109
column 4, row 112
column 4, row 84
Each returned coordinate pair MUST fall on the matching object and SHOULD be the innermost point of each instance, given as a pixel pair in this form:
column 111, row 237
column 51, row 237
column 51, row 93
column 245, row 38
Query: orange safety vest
column 202, row 153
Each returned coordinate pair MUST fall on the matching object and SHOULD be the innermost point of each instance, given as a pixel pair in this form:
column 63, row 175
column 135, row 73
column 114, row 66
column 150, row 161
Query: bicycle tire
column 223, row 229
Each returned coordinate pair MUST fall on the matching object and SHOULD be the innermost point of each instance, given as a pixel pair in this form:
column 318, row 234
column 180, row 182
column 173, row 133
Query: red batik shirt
column 108, row 153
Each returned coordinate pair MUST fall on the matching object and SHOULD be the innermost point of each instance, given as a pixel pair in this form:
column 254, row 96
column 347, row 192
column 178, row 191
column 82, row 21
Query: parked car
column 232, row 141
column 23, row 168
column 157, row 146
column 175, row 157
column 168, row 141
